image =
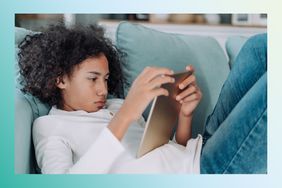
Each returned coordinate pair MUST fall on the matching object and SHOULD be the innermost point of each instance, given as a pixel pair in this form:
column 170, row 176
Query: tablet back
column 162, row 117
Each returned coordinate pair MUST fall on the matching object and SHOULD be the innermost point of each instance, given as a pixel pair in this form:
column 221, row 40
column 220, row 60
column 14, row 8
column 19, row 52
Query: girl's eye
column 93, row 79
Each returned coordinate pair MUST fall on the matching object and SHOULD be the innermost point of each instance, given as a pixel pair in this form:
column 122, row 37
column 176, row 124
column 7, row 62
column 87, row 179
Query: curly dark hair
column 46, row 56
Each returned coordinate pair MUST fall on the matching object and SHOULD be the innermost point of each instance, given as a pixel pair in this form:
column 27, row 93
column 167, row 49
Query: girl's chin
column 97, row 108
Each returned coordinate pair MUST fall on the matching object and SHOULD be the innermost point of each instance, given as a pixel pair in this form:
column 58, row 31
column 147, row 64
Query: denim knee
column 258, row 45
column 253, row 54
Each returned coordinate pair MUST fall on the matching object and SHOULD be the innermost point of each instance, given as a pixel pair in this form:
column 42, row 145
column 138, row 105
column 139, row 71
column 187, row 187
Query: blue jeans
column 235, row 137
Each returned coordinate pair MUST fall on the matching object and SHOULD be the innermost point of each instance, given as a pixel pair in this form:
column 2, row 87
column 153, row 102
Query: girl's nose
column 102, row 90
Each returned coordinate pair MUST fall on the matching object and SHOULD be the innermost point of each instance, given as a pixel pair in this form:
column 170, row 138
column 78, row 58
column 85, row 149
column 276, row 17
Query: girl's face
column 87, row 87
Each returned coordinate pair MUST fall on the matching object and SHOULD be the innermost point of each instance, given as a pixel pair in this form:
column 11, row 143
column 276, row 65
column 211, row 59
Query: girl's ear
column 61, row 82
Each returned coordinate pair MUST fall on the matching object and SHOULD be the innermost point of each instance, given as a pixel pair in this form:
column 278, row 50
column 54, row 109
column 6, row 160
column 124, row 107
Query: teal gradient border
column 10, row 7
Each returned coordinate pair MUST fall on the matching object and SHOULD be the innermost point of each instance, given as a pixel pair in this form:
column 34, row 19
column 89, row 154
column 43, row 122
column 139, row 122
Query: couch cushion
column 233, row 46
column 143, row 47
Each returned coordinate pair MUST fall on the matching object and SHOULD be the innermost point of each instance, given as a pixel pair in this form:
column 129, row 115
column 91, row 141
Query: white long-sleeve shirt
column 80, row 142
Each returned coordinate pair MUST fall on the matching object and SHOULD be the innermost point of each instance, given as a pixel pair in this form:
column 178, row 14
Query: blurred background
column 39, row 21
column 218, row 26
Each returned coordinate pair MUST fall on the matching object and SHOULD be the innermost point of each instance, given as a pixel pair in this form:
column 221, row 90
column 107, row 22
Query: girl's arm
column 184, row 130
column 189, row 98
column 143, row 90
column 54, row 154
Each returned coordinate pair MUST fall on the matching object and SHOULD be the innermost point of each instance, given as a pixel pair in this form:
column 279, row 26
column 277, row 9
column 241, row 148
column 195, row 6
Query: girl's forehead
column 94, row 64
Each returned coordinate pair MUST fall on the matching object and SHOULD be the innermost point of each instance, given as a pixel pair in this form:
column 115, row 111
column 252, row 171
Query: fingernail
column 172, row 79
column 181, row 86
column 177, row 97
column 171, row 71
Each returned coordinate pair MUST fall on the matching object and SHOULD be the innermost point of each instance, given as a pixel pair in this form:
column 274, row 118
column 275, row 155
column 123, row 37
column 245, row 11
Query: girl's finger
column 190, row 68
column 188, row 91
column 151, row 72
column 191, row 79
column 193, row 97
column 159, row 91
column 160, row 80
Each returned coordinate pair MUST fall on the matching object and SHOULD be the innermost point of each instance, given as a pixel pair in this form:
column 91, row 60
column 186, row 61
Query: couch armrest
column 24, row 152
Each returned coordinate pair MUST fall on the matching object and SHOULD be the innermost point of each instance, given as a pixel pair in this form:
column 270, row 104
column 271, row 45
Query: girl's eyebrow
column 97, row 73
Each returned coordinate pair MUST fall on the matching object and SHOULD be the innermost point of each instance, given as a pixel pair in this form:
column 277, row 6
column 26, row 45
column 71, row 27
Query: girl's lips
column 100, row 103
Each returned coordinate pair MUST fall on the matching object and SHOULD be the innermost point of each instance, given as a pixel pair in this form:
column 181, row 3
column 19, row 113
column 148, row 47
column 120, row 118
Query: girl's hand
column 190, row 95
column 145, row 88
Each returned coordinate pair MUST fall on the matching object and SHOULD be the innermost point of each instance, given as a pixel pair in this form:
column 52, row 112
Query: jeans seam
column 241, row 145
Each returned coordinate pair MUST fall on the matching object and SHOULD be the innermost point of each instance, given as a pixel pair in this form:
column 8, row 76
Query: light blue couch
column 140, row 47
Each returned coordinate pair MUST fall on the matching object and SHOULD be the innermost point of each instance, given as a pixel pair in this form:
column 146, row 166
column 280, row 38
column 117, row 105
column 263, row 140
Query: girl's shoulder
column 42, row 124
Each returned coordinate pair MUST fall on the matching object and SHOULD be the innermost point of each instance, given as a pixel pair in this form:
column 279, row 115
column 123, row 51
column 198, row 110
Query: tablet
column 162, row 117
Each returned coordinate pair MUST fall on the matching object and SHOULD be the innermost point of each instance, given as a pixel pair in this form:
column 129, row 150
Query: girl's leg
column 240, row 143
column 250, row 65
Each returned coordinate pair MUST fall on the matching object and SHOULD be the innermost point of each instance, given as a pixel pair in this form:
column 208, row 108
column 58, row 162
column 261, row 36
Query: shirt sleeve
column 54, row 155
